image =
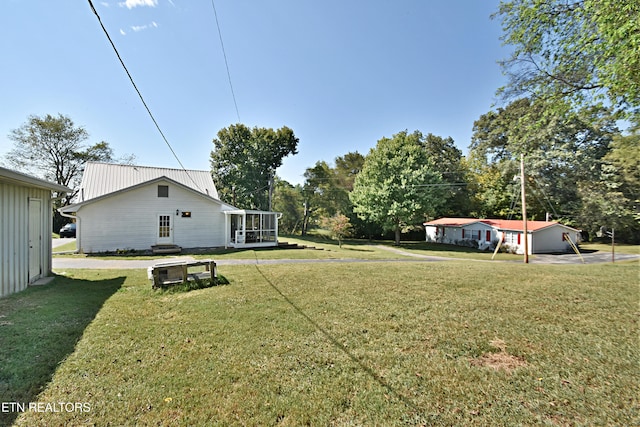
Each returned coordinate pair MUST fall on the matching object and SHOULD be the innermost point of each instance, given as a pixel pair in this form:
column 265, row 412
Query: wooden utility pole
column 612, row 234
column 613, row 245
column 524, row 211
column 270, row 190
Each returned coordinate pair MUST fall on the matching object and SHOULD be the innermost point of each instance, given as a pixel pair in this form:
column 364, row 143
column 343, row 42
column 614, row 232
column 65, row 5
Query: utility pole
column 270, row 189
column 612, row 234
column 524, row 211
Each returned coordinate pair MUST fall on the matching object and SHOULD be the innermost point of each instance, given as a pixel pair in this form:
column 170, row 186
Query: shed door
column 165, row 229
column 35, row 239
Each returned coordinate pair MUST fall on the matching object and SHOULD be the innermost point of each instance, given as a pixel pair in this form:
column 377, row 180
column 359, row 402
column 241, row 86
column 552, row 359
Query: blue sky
column 341, row 74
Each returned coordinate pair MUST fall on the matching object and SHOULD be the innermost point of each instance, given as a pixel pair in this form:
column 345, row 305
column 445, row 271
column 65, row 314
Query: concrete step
column 166, row 249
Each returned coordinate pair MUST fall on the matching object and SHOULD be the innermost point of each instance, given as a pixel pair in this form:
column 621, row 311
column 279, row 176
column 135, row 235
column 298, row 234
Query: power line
column 540, row 187
column 226, row 63
column 95, row 12
column 442, row 184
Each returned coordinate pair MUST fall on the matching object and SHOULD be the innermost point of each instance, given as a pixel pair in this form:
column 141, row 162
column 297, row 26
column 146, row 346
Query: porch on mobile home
column 249, row 228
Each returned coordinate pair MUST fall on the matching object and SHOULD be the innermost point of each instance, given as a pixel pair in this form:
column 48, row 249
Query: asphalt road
column 97, row 263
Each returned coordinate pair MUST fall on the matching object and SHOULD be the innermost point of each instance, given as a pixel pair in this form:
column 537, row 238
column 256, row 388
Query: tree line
column 581, row 172
column 573, row 78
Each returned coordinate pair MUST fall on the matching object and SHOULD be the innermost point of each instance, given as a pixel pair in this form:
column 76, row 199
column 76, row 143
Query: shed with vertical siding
column 25, row 229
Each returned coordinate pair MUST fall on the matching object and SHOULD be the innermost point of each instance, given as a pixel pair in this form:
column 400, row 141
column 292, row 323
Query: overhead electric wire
column 540, row 187
column 95, row 12
column 226, row 63
column 515, row 196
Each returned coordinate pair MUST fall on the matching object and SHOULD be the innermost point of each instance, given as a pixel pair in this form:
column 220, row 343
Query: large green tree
column 326, row 189
column 573, row 53
column 398, row 185
column 244, row 162
column 613, row 200
column 55, row 149
column 564, row 152
column 447, row 159
column 288, row 200
column 319, row 193
column 347, row 168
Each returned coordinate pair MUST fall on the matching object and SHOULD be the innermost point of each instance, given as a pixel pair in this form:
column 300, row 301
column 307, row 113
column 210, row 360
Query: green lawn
column 606, row 247
column 410, row 343
column 351, row 248
column 67, row 247
column 321, row 248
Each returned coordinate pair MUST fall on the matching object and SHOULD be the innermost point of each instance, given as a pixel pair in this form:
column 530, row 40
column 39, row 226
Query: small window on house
column 186, row 214
column 163, row 191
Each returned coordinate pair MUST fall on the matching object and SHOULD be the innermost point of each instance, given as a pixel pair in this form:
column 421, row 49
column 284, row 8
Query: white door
column 35, row 239
column 164, row 234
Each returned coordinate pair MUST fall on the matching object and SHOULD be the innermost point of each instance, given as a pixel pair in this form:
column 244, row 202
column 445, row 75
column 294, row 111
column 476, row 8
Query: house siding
column 550, row 240
column 543, row 237
column 14, row 236
column 128, row 220
column 451, row 235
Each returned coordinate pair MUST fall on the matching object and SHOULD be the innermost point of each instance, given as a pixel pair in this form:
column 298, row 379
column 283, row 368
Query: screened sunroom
column 250, row 229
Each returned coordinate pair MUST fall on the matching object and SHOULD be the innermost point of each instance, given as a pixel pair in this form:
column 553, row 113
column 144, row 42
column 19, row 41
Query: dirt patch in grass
column 500, row 360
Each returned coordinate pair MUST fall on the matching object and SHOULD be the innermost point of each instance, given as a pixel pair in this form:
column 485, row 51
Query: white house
column 543, row 236
column 25, row 229
column 138, row 207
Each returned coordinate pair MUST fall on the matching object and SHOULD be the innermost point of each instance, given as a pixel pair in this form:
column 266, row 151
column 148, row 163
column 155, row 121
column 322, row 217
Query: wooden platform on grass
column 171, row 273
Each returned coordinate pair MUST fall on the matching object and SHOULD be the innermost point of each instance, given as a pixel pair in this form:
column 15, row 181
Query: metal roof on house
column 99, row 179
column 500, row 224
column 517, row 224
column 9, row 175
column 453, row 222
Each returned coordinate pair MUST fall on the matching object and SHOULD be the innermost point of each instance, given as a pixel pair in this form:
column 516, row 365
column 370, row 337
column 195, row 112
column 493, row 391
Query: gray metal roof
column 99, row 179
column 9, row 175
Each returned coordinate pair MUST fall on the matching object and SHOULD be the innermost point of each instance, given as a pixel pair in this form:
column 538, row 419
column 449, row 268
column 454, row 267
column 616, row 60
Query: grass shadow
column 193, row 285
column 358, row 249
column 379, row 378
column 439, row 247
column 39, row 328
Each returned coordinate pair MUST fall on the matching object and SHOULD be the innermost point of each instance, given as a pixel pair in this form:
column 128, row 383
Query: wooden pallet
column 171, row 273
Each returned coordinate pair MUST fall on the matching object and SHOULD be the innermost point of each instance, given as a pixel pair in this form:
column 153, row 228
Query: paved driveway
column 98, row 263
column 124, row 264
column 589, row 258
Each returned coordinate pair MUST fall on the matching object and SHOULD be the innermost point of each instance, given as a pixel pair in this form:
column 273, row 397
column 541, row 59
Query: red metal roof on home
column 517, row 225
column 453, row 222
column 500, row 224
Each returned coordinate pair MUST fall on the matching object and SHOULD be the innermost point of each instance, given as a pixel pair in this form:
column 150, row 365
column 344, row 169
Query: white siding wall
column 451, row 234
column 14, row 236
column 471, row 232
column 550, row 240
column 129, row 220
column 542, row 241
column 430, row 233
